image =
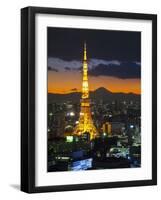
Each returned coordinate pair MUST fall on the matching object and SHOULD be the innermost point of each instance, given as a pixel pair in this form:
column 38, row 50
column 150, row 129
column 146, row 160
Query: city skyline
column 114, row 65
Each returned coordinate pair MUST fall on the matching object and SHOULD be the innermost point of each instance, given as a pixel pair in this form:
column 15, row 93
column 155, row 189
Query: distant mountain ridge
column 97, row 95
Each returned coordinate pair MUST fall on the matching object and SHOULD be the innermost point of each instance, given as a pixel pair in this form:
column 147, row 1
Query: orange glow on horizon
column 68, row 82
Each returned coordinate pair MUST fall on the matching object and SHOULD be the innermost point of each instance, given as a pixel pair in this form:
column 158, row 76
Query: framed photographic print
column 88, row 99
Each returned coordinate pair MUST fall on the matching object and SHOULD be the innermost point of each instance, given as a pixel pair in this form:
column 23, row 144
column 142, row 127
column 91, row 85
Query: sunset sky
column 114, row 60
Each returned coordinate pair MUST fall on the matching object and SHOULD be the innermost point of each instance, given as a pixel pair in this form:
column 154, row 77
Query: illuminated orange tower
column 85, row 120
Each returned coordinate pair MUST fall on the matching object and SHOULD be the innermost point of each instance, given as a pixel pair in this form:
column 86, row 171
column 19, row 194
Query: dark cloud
column 98, row 67
column 63, row 65
column 74, row 89
column 67, row 68
column 52, row 69
column 126, row 70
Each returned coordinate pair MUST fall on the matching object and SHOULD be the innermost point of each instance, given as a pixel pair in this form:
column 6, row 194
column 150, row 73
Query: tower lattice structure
column 85, row 124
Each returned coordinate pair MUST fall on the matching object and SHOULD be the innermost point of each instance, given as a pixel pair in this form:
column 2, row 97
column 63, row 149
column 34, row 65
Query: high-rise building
column 85, row 124
column 107, row 128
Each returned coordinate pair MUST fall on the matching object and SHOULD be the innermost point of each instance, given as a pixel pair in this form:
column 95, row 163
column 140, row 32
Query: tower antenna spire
column 85, row 51
column 85, row 44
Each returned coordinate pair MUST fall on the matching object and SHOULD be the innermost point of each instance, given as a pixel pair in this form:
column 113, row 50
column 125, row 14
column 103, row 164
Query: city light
column 82, row 164
column 69, row 138
column 50, row 114
column 72, row 114
column 104, row 134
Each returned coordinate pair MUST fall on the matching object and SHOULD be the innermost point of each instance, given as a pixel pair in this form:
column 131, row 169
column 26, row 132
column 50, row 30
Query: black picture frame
column 28, row 98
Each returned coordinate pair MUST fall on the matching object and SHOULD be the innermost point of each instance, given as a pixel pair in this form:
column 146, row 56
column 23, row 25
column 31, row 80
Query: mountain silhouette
column 102, row 90
column 97, row 95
